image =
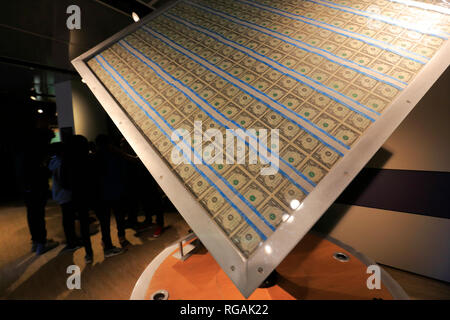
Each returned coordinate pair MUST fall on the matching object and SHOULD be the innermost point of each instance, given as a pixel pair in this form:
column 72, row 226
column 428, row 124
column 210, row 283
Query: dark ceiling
column 36, row 47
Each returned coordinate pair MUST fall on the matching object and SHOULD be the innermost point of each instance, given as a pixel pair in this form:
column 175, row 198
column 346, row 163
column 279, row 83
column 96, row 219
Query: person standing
column 77, row 172
column 141, row 189
column 110, row 168
column 64, row 197
column 36, row 189
column 152, row 201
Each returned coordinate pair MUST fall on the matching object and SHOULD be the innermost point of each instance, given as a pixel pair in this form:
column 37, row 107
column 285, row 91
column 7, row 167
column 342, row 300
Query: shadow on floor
column 45, row 277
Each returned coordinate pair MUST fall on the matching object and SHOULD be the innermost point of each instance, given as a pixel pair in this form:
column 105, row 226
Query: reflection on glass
column 295, row 204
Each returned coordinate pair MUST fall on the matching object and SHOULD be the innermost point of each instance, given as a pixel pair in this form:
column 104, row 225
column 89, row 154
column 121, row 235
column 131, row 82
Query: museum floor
column 25, row 276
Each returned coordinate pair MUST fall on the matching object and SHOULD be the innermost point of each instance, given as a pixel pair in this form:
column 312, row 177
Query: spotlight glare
column 40, row 111
column 295, row 204
column 135, row 16
column 33, row 98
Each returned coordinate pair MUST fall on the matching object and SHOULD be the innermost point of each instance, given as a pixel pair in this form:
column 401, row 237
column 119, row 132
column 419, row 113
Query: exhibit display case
column 253, row 116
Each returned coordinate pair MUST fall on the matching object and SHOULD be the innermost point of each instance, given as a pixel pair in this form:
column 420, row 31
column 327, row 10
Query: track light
column 135, row 16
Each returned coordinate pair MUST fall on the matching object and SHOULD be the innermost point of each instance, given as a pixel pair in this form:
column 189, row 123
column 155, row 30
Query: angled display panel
column 253, row 116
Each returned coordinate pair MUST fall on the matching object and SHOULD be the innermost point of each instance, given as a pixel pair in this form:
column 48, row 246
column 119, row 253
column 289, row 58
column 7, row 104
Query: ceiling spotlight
column 135, row 16
column 40, row 111
column 82, row 80
column 33, row 98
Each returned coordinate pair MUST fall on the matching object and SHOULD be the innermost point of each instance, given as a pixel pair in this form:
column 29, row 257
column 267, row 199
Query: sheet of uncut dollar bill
column 253, row 116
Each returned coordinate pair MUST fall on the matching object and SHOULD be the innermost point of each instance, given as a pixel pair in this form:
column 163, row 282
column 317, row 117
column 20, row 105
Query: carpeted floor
column 25, row 276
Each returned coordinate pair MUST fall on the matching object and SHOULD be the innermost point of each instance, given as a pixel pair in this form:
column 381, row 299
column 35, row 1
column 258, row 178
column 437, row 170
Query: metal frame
column 248, row 274
column 185, row 249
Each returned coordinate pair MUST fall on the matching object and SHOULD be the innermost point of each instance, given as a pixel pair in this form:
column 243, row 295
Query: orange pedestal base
column 309, row 272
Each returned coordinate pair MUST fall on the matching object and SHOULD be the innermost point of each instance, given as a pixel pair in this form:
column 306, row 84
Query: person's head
column 102, row 142
column 78, row 146
column 125, row 146
column 42, row 136
column 92, row 147
column 39, row 142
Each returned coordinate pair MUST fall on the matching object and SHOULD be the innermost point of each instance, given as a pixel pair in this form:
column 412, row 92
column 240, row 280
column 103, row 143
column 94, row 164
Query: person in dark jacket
column 36, row 176
column 77, row 176
column 63, row 197
column 143, row 190
column 111, row 172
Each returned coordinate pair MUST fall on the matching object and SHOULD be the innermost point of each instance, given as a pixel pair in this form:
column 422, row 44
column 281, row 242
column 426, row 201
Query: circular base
column 316, row 268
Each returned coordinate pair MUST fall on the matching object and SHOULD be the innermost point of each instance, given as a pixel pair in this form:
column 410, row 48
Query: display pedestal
column 317, row 268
